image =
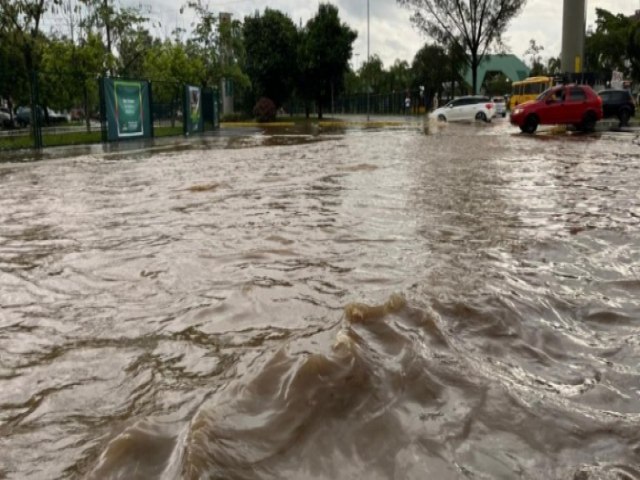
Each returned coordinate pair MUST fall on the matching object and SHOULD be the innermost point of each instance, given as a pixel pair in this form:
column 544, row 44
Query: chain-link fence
column 67, row 108
column 394, row 103
column 61, row 108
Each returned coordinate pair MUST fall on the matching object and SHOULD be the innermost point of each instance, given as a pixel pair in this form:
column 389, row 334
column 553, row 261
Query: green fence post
column 152, row 128
column 35, row 117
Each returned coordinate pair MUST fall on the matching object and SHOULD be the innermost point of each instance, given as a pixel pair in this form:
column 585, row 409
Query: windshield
column 543, row 94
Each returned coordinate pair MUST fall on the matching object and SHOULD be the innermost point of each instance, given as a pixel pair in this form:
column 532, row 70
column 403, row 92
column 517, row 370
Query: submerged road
column 411, row 301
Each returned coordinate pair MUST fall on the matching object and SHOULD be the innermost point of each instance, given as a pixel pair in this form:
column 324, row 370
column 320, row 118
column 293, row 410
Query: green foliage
column 265, row 110
column 614, row 45
column 14, row 80
column 554, row 66
column 536, row 65
column 133, row 48
column 219, row 45
column 373, row 75
column 120, row 30
column 474, row 25
column 497, row 84
column 270, row 43
column 324, row 51
column 633, row 50
column 429, row 69
column 400, row 77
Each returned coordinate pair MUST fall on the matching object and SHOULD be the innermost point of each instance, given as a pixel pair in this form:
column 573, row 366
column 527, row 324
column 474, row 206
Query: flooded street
column 351, row 304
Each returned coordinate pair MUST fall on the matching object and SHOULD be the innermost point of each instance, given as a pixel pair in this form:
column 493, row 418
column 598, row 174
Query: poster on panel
column 128, row 109
column 193, row 105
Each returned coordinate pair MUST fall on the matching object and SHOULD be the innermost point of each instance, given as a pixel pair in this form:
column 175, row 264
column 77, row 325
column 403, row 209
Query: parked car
column 575, row 105
column 5, row 118
column 57, row 117
column 23, row 116
column 618, row 104
column 500, row 105
column 465, row 108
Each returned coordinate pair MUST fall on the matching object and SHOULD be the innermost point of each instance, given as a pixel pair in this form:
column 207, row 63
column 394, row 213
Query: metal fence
column 394, row 103
column 64, row 108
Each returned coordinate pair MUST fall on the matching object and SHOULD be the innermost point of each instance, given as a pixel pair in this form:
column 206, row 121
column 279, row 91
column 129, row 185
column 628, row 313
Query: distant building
column 509, row 65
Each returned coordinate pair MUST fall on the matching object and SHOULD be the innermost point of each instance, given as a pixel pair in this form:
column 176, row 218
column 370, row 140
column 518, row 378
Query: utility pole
column 368, row 61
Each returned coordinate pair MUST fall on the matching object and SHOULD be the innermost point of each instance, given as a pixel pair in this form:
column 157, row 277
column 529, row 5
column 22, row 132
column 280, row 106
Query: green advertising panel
column 128, row 110
column 194, row 122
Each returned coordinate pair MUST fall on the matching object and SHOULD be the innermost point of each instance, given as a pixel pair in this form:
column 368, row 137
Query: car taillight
column 489, row 106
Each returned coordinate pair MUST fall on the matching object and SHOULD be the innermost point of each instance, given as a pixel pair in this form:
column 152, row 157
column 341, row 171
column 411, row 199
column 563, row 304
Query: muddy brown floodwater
column 350, row 304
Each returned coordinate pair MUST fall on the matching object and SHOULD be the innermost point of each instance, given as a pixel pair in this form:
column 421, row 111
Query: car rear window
column 621, row 97
column 577, row 95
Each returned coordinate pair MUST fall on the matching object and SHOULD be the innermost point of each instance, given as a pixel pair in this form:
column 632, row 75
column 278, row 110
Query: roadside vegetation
column 264, row 57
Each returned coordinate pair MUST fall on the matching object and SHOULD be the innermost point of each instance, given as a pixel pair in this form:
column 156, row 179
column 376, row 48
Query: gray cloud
column 392, row 35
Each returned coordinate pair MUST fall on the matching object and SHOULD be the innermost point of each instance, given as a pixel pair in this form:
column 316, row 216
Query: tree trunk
column 474, row 72
column 319, row 105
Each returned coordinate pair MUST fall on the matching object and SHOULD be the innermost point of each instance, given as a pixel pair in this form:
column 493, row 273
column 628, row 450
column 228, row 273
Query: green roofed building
column 511, row 66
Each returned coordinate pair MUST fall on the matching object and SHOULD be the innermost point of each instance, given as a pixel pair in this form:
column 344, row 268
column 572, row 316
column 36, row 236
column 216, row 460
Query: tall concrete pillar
column 574, row 25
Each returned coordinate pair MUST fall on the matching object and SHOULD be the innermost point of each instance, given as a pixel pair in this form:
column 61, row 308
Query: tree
column 270, row 44
column 324, row 51
column 134, row 44
column 21, row 21
column 171, row 65
column 121, row 26
column 554, row 66
column 611, row 46
column 533, row 52
column 474, row 25
column 373, row 74
column 633, row 50
column 400, row 77
column 428, row 69
column 219, row 45
column 14, row 78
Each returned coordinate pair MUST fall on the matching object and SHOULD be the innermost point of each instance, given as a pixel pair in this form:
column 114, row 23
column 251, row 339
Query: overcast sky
column 391, row 34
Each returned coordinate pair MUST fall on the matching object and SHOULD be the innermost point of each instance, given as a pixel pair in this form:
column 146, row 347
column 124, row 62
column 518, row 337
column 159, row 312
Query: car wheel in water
column 481, row 116
column 624, row 117
column 442, row 118
column 589, row 122
column 530, row 124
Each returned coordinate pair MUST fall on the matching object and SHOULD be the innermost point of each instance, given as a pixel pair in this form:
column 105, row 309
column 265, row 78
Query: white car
column 500, row 105
column 465, row 108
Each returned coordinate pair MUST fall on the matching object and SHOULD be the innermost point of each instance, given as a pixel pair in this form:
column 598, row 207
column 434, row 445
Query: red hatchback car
column 575, row 105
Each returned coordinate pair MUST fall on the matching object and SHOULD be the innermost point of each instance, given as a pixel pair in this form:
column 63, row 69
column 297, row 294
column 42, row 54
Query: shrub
column 265, row 110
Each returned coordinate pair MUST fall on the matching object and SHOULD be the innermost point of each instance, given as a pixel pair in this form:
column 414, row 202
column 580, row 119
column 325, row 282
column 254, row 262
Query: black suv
column 618, row 103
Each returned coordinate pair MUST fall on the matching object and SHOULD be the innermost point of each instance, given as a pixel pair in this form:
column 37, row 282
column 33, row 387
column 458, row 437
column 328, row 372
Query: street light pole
column 368, row 60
